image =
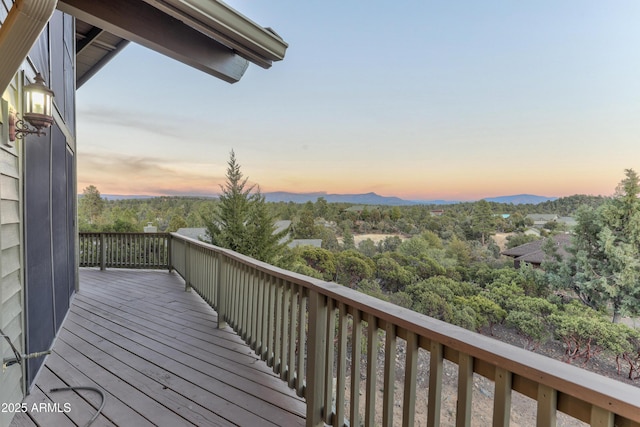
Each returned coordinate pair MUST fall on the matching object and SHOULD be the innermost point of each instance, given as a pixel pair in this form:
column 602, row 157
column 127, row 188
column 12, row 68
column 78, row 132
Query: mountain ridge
column 370, row 198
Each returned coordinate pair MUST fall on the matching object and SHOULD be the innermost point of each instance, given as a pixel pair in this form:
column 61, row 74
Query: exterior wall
column 11, row 289
column 38, row 272
column 49, row 196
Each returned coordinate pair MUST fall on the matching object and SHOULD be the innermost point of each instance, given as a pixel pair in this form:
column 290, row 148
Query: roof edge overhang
column 18, row 33
column 137, row 21
column 259, row 45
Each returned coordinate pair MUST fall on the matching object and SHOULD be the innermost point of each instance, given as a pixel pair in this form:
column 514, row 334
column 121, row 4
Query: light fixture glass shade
column 37, row 108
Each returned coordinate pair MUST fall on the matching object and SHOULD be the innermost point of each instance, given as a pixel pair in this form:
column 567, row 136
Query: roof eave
column 140, row 22
column 257, row 44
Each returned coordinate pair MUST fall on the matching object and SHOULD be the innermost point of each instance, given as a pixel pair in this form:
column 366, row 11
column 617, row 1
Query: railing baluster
column 223, row 295
column 601, row 417
column 465, row 390
column 291, row 377
column 435, row 383
column 103, row 252
column 356, row 351
column 317, row 348
column 502, row 398
column 302, row 341
column 330, row 359
column 248, row 284
column 260, row 313
column 547, row 404
column 246, row 303
column 372, row 371
column 264, row 316
column 284, row 352
column 341, row 374
column 278, row 327
column 235, row 294
column 243, row 309
column 390, row 346
column 238, row 284
column 271, row 322
column 255, row 311
column 410, row 378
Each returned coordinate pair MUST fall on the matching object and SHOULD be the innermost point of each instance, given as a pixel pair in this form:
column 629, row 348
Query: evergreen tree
column 348, row 241
column 604, row 270
column 90, row 206
column 483, row 221
column 228, row 225
column 265, row 244
column 305, row 227
column 242, row 221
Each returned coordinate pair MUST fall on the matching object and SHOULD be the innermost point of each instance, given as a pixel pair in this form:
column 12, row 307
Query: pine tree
column 483, row 221
column 604, row 270
column 242, row 221
column 305, row 227
column 227, row 228
column 91, row 204
column 265, row 243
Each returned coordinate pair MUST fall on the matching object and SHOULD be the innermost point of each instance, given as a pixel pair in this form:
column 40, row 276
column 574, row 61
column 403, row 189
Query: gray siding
column 11, row 289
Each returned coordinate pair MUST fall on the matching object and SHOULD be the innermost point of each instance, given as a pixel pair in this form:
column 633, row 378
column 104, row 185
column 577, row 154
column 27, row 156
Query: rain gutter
column 19, row 32
column 259, row 45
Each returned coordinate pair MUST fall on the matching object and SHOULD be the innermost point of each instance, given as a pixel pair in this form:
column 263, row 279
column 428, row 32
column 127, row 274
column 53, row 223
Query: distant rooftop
column 532, row 252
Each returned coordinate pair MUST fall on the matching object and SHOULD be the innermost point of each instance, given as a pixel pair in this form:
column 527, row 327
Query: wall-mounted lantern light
column 37, row 111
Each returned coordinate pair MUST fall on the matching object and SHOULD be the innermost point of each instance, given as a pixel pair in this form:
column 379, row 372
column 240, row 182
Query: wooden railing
column 124, row 250
column 341, row 350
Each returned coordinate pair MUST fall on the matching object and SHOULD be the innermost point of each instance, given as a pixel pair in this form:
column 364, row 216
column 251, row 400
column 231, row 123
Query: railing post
column 316, row 354
column 103, row 252
column 169, row 238
column 222, row 291
column 187, row 274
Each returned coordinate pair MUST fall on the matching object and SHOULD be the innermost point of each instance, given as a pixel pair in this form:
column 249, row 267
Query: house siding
column 50, row 197
column 11, row 289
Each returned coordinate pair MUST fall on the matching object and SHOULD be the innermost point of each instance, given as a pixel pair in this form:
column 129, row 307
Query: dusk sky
column 423, row 100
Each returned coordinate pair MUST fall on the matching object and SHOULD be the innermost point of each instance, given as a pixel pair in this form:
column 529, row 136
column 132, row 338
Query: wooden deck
column 157, row 353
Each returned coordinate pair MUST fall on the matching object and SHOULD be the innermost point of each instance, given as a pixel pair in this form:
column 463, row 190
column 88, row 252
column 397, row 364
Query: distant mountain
column 521, row 199
column 360, row 199
column 123, row 197
column 375, row 199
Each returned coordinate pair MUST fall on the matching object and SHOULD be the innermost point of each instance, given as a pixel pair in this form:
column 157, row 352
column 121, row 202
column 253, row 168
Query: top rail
column 315, row 334
column 125, row 250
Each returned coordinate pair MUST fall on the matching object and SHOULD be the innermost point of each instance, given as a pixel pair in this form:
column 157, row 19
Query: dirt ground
column 501, row 239
column 357, row 238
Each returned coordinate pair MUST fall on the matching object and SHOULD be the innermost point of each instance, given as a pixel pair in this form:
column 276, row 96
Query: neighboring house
column 532, row 253
column 67, row 42
column 539, row 220
column 532, row 232
column 281, row 225
column 200, row 233
column 568, row 221
column 196, row 233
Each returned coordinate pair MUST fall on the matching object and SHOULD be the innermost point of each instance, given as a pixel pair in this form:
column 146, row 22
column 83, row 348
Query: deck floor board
column 157, row 353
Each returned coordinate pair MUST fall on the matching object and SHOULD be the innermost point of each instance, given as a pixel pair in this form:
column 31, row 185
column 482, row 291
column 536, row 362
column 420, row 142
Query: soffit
column 94, row 48
column 205, row 34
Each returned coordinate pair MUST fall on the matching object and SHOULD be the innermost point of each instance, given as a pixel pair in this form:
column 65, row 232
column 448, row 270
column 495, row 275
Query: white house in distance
column 59, row 45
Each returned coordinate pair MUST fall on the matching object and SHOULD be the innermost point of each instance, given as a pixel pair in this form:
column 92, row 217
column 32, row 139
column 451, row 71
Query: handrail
column 303, row 328
column 124, row 250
